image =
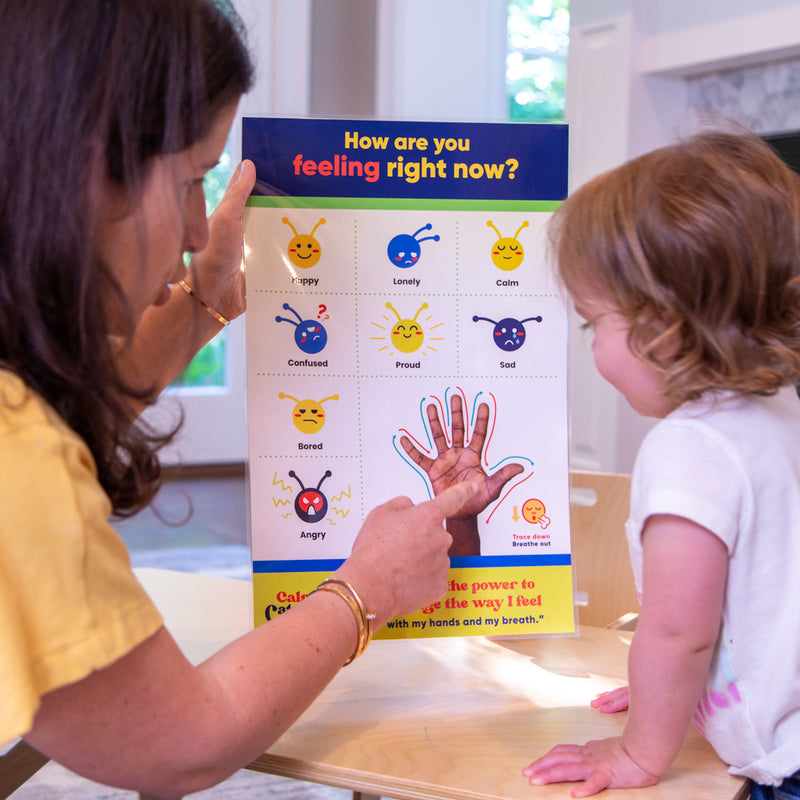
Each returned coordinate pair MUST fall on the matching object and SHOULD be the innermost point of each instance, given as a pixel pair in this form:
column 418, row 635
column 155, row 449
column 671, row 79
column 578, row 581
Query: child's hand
column 611, row 702
column 600, row 764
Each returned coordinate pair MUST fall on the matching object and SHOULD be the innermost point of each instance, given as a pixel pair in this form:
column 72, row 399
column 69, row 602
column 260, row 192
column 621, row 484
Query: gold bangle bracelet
column 367, row 619
column 191, row 292
column 362, row 617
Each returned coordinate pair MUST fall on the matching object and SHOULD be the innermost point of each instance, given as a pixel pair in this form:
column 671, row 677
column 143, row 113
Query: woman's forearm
column 152, row 722
column 165, row 342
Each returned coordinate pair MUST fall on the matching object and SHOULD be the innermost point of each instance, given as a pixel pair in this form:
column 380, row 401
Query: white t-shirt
column 732, row 465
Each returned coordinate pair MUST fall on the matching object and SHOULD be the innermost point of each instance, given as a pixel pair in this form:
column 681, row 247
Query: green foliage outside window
column 536, row 63
column 207, row 369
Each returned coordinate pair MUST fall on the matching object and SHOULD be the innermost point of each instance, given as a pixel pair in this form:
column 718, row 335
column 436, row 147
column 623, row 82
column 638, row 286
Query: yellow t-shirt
column 69, row 602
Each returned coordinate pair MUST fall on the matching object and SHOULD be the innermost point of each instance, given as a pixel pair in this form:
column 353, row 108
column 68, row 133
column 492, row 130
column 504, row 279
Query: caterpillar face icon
column 407, row 334
column 310, row 505
column 309, row 335
column 404, row 249
column 507, row 252
column 308, row 415
column 533, row 510
column 509, row 333
column 303, row 249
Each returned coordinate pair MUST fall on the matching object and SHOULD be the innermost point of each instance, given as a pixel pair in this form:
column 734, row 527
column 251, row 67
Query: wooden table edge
column 357, row 781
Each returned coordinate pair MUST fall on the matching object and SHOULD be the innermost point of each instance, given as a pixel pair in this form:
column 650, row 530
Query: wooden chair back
column 599, row 508
column 17, row 765
column 20, row 762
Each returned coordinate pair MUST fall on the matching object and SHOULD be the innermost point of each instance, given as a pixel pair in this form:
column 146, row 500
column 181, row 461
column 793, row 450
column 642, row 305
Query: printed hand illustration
column 455, row 463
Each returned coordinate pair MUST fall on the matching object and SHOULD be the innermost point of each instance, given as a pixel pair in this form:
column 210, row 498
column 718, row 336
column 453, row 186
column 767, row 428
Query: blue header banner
column 463, row 562
column 416, row 160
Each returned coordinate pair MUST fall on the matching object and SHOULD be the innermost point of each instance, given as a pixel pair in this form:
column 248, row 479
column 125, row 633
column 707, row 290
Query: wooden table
column 441, row 718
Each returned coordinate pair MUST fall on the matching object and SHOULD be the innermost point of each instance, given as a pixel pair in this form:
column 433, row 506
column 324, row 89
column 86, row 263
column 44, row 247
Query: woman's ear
column 113, row 199
column 109, row 199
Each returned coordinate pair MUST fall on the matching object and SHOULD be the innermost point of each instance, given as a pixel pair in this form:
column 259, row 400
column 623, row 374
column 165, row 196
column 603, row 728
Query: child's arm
column 685, row 570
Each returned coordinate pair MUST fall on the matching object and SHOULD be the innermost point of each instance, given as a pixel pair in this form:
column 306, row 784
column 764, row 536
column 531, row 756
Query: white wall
column 442, row 60
column 279, row 37
column 417, row 59
column 674, row 15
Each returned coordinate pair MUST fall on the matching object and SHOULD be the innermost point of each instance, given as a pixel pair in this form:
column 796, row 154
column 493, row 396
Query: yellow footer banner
column 480, row 601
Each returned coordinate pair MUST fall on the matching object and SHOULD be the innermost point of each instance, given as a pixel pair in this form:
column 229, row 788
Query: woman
column 114, row 113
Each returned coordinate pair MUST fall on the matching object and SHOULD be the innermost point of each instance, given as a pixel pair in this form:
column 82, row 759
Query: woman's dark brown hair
column 90, row 87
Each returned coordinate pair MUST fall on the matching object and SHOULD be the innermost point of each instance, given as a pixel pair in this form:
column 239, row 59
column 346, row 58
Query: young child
column 685, row 263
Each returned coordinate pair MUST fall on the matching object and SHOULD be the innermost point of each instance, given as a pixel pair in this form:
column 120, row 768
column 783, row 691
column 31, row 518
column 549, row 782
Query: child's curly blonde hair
column 698, row 243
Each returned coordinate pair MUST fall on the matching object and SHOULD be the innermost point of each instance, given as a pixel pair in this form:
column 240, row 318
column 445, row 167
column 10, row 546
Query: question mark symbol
column 512, row 167
column 322, row 309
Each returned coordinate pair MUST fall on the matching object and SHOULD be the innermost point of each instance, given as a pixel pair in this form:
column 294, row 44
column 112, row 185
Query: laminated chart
column 403, row 326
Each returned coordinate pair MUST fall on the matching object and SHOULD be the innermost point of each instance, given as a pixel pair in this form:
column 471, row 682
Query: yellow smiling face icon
column 303, row 249
column 308, row 416
column 507, row 252
column 407, row 334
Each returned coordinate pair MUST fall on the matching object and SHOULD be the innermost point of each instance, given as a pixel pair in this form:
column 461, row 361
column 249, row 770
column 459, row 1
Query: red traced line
column 500, row 501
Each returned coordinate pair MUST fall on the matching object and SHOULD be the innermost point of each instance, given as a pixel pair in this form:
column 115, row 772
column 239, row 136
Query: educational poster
column 402, row 327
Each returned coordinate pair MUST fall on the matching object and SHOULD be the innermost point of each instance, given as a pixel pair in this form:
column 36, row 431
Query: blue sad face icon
column 404, row 249
column 508, row 333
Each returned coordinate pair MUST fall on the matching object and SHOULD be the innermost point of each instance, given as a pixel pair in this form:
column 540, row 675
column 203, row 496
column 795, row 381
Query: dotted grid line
column 307, row 457
column 511, row 377
column 358, row 365
column 516, row 295
column 458, row 303
column 404, row 376
column 302, row 292
column 296, row 375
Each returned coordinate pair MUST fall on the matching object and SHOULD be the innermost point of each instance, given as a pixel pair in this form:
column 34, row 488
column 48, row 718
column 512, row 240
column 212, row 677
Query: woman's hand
column 399, row 561
column 217, row 272
column 600, row 764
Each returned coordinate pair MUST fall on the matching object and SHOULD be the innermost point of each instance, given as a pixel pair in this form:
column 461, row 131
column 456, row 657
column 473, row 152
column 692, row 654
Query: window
column 536, row 60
